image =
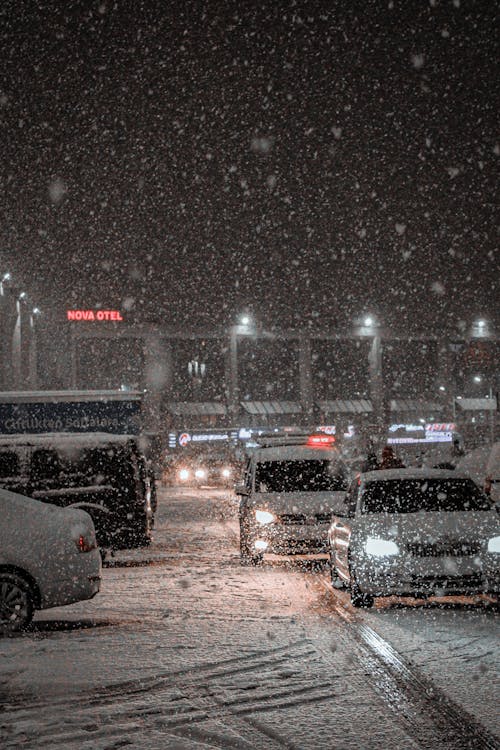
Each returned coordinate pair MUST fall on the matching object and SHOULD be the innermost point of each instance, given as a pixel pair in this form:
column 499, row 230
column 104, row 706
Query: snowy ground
column 183, row 648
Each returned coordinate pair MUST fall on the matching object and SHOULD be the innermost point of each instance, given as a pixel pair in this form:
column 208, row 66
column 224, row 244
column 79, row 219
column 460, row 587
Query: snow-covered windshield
column 413, row 495
column 297, row 476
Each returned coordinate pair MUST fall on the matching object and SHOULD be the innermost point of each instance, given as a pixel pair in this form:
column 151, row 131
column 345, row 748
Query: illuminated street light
column 477, row 379
column 245, row 320
column 22, row 296
column 36, row 311
column 7, row 277
column 369, row 321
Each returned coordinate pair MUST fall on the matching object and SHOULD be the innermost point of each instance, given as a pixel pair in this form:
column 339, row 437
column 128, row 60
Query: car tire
column 337, row 582
column 246, row 555
column 16, row 603
column 360, row 599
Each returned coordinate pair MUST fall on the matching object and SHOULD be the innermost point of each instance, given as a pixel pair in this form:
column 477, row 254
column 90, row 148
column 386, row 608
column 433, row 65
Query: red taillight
column 86, row 543
column 321, row 441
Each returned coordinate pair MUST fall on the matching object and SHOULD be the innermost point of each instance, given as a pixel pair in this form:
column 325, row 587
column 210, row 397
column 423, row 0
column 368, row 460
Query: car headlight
column 381, row 547
column 494, row 544
column 200, row 473
column 263, row 516
column 183, row 475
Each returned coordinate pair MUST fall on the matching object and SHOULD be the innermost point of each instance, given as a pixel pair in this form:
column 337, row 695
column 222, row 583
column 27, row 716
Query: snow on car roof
column 413, row 473
column 66, row 439
column 296, row 453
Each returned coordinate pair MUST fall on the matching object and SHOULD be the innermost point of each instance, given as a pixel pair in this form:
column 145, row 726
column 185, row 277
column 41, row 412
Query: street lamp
column 481, row 328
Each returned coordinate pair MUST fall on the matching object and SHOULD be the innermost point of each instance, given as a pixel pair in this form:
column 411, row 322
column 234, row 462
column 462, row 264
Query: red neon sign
column 94, row 315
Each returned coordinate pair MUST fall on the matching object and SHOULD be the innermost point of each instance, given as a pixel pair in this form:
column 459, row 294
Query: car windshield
column 413, row 495
column 297, row 476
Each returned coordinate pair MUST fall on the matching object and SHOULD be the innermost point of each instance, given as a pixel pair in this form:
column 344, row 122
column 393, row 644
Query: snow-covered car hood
column 299, row 502
column 413, row 528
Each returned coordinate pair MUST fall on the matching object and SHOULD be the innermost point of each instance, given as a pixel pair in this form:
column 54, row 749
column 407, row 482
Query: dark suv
column 106, row 475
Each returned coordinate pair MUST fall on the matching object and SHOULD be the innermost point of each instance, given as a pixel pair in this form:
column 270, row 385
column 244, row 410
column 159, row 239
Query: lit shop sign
column 94, row 315
column 428, row 433
column 184, row 439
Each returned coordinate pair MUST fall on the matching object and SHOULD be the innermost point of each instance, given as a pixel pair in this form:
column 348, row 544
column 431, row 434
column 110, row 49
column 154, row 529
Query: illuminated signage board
column 422, row 433
column 99, row 315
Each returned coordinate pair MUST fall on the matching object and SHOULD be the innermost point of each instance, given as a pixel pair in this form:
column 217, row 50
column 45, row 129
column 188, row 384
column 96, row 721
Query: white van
column 289, row 495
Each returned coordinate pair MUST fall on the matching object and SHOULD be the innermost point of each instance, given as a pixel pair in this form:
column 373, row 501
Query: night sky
column 306, row 162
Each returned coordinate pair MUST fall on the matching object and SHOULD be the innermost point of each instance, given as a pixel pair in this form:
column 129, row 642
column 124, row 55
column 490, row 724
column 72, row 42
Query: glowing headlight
column 263, row 516
column 381, row 547
column 183, row 475
column 494, row 544
column 226, row 472
column 200, row 473
column 261, row 545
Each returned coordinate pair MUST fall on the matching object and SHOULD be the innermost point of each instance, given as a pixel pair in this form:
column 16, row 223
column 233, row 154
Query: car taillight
column 321, row 441
column 86, row 543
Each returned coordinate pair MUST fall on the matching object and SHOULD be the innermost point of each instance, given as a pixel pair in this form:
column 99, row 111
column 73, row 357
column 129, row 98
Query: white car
column 288, row 498
column 415, row 532
column 48, row 557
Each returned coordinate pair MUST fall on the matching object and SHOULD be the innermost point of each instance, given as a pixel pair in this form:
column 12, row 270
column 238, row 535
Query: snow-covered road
column 184, row 648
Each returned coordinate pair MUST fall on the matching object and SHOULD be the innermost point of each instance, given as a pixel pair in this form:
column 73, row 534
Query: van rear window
column 9, row 464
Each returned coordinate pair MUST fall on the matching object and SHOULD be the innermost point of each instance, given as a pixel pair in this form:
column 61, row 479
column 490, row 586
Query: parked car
column 483, row 465
column 48, row 557
column 106, row 475
column 290, row 491
column 415, row 532
column 202, row 467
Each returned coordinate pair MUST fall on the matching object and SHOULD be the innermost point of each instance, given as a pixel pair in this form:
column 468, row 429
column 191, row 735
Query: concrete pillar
column 17, row 334
column 7, row 321
column 32, row 354
column 445, row 378
column 377, row 385
column 157, row 380
column 233, row 395
column 305, row 380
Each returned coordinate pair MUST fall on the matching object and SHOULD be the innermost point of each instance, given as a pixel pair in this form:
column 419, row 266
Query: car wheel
column 16, row 603
column 359, row 599
column 337, row 582
column 247, row 557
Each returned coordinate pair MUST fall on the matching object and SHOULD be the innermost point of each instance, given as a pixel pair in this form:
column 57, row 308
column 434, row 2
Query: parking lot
column 185, row 648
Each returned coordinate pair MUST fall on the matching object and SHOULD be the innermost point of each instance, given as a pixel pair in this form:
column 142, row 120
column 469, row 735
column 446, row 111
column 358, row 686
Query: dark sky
column 304, row 161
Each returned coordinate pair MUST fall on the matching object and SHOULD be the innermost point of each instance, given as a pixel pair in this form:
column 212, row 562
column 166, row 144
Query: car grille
column 300, row 519
column 443, row 581
column 443, row 549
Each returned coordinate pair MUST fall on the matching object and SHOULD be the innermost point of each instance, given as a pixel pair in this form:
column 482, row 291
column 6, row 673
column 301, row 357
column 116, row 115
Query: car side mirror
column 241, row 489
column 346, row 509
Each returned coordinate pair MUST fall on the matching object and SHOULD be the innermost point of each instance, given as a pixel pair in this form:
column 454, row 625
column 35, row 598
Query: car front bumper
column 445, row 576
column 288, row 540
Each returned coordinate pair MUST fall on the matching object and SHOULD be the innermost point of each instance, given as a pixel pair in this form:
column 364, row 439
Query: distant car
column 288, row 497
column 48, row 557
column 415, row 532
column 202, row 468
column 106, row 475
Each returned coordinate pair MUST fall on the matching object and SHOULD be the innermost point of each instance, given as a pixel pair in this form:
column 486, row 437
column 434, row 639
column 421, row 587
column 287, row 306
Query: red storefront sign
column 99, row 315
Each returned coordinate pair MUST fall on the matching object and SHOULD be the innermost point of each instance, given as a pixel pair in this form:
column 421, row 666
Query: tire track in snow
column 433, row 718
column 175, row 702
